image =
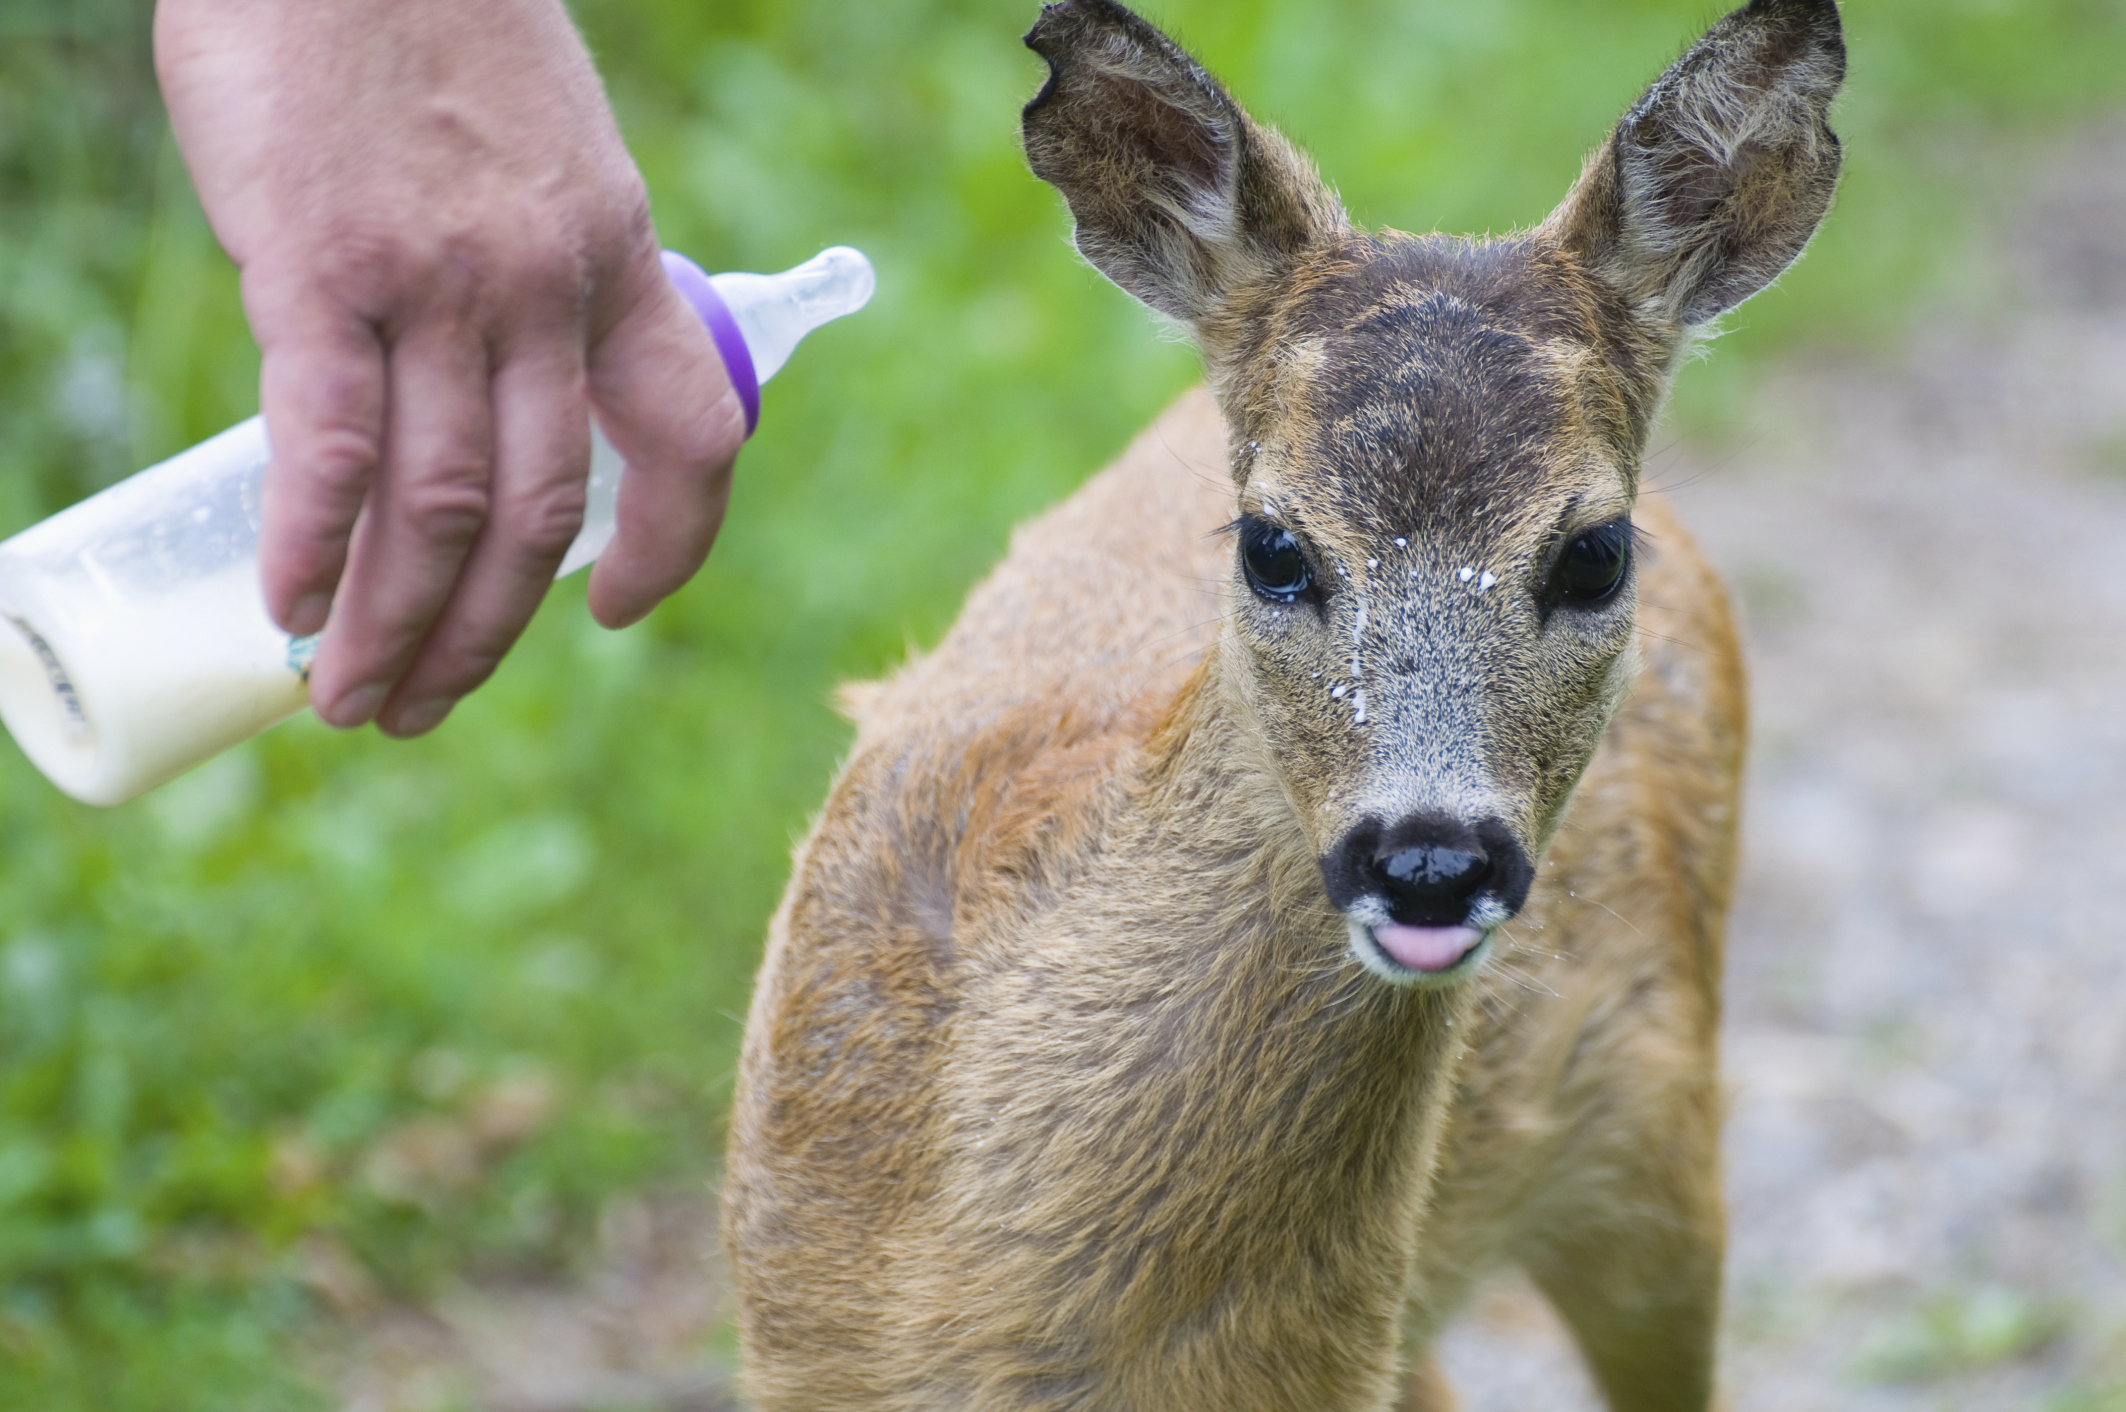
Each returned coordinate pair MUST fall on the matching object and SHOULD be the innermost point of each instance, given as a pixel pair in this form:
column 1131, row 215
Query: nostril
column 1431, row 882
column 1431, row 865
column 1429, row 869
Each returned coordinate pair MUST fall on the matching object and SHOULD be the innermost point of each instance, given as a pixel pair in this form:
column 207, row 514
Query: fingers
column 666, row 404
column 425, row 492
column 426, row 508
column 418, row 195
column 541, row 456
column 321, row 387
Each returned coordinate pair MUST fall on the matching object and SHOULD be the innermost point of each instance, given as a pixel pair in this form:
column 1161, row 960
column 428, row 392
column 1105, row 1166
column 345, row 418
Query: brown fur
column 1062, row 1088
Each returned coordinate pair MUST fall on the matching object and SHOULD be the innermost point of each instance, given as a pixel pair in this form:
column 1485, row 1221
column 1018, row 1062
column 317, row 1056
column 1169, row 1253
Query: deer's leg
column 1629, row 1250
column 1427, row 1389
column 1643, row 1303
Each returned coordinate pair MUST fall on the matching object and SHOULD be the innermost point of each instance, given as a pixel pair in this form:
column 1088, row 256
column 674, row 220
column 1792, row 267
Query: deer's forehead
column 1429, row 412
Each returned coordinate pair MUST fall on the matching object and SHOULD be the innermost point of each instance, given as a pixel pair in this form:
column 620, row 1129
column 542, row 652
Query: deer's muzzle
column 1423, row 892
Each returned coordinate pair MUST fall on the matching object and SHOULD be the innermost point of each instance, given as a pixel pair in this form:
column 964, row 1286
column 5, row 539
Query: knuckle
column 339, row 459
column 709, row 442
column 363, row 269
column 553, row 262
column 497, row 270
column 400, row 278
column 448, row 507
column 539, row 296
column 545, row 522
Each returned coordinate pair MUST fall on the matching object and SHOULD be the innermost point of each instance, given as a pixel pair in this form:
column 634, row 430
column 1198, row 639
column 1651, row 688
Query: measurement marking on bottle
column 78, row 729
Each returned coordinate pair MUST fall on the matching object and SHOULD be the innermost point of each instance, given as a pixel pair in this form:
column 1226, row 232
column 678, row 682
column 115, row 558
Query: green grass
column 436, row 1002
column 1959, row 1331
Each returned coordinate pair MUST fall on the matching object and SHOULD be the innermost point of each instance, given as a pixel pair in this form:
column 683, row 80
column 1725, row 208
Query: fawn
column 1224, row 948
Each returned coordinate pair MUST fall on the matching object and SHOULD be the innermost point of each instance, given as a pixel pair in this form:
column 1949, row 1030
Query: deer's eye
column 1275, row 567
column 1593, row 564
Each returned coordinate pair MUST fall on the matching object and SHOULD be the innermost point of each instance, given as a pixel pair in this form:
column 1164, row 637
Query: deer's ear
column 1714, row 182
column 1178, row 196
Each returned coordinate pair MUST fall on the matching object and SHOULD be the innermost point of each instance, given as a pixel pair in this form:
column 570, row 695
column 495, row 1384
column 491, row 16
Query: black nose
column 1430, row 868
column 1433, row 881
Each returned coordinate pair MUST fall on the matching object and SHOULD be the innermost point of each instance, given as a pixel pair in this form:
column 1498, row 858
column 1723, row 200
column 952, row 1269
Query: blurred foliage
column 334, row 1014
column 1960, row 1331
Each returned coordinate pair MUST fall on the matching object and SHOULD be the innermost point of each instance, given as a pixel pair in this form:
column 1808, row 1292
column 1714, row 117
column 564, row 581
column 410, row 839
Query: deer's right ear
column 1178, row 196
column 1714, row 182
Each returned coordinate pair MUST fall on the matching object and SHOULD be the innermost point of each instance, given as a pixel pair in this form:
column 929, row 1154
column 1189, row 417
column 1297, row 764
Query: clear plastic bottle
column 134, row 637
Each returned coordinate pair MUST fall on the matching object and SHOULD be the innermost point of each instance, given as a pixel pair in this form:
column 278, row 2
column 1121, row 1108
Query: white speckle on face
column 1372, row 563
column 1317, row 676
column 1465, row 574
column 1338, row 690
column 1340, row 573
column 1402, row 544
column 1486, row 913
column 1486, row 581
column 1358, row 699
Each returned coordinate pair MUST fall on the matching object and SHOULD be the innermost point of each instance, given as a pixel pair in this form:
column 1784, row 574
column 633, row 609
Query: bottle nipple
column 775, row 312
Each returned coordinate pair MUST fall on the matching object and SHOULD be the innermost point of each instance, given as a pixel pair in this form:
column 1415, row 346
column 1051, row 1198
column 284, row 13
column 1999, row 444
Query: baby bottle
column 134, row 637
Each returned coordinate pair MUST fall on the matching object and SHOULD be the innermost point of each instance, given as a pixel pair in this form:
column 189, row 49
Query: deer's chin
column 1423, row 956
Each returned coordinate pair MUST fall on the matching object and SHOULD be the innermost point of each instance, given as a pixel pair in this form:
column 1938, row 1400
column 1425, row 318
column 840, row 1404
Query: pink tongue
column 1426, row 948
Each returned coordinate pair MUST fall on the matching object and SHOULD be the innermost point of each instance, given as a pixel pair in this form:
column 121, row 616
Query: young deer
column 1222, row 950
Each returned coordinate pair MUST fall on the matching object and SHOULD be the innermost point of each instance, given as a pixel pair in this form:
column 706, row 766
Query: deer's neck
column 1179, row 1083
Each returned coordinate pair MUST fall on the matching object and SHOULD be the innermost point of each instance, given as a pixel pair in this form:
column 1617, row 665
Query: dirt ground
column 1927, row 1150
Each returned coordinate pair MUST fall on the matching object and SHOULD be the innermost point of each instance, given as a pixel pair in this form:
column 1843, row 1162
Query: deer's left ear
column 1715, row 181
column 1178, row 196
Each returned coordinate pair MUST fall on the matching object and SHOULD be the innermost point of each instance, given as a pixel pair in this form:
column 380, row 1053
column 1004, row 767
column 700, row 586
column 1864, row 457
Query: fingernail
column 357, row 707
column 309, row 614
column 420, row 717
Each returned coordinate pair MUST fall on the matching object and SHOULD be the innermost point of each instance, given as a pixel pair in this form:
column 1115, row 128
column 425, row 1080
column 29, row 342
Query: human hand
column 448, row 262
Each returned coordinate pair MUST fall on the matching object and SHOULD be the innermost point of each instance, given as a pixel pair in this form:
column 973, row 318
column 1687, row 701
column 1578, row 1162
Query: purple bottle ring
column 691, row 281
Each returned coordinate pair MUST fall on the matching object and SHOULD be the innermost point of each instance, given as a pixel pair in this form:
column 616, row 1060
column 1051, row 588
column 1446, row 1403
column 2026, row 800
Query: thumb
column 663, row 399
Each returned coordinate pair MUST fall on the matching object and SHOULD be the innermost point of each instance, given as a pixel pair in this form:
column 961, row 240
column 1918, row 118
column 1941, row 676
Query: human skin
column 448, row 263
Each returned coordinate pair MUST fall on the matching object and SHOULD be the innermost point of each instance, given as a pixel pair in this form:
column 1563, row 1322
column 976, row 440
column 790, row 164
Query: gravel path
column 1928, row 1144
